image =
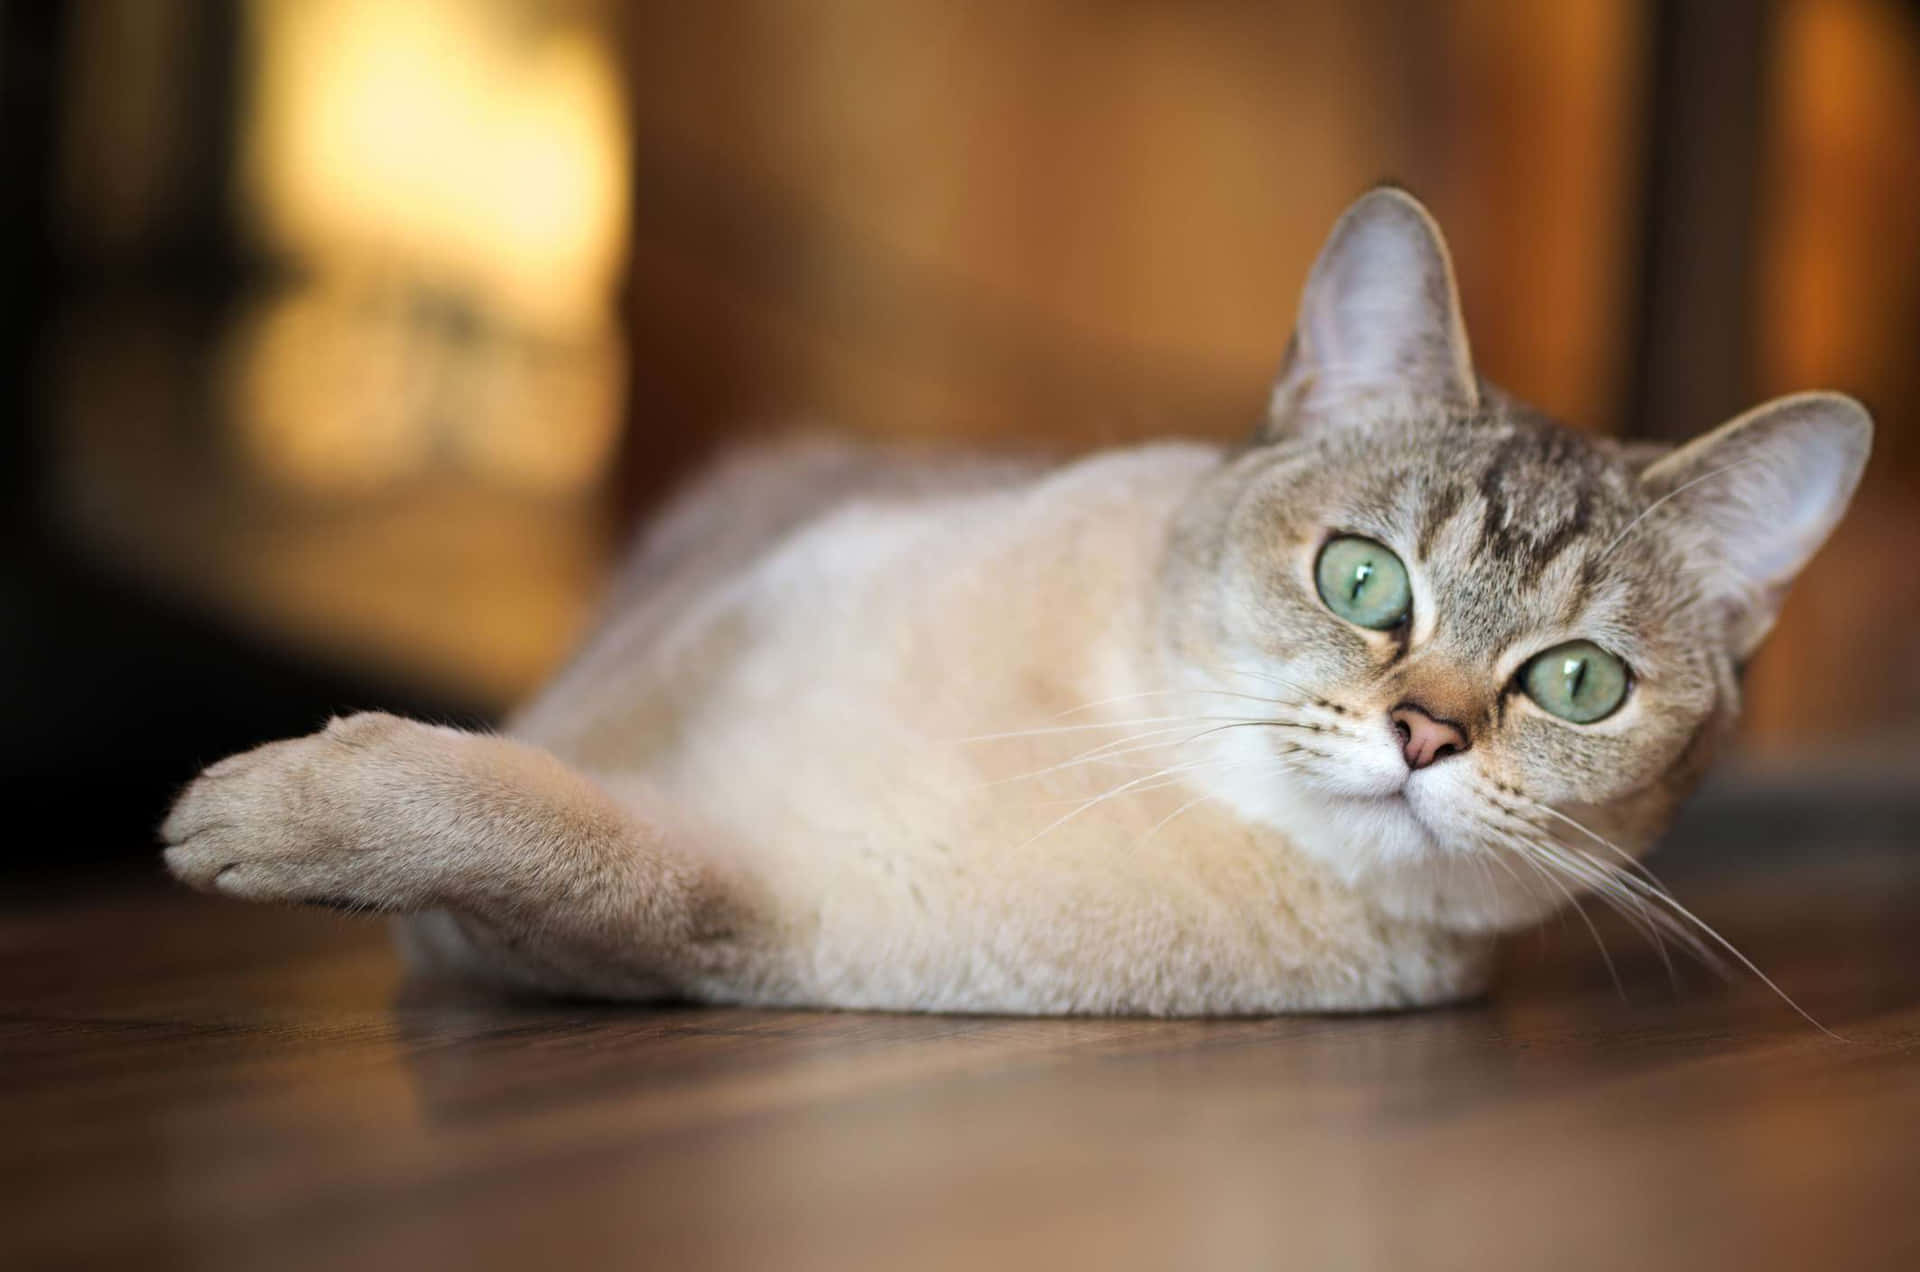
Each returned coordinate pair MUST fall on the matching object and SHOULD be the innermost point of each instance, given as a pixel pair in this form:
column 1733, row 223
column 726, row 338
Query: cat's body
column 820, row 705
column 876, row 729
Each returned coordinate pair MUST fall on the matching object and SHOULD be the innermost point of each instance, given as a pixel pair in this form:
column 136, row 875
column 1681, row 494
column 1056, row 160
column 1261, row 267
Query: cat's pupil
column 1363, row 582
column 1577, row 681
column 1575, row 671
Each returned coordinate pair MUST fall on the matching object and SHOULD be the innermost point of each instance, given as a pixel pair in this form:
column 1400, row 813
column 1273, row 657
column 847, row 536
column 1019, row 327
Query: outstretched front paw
column 319, row 820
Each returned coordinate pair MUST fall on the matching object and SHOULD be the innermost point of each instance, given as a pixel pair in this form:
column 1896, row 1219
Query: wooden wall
column 1075, row 223
column 1079, row 222
column 1838, row 305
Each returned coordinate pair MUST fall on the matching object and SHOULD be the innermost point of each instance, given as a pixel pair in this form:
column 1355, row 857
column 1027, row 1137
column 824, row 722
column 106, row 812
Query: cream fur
column 839, row 740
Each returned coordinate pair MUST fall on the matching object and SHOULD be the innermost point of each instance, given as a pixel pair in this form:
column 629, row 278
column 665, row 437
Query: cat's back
column 795, row 553
column 755, row 498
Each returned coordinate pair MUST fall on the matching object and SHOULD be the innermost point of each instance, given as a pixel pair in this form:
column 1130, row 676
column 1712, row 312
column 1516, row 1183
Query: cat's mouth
column 1404, row 801
column 1412, row 814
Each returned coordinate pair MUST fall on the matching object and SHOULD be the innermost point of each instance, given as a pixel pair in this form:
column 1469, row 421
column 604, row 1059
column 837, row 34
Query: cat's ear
column 1379, row 320
column 1755, row 498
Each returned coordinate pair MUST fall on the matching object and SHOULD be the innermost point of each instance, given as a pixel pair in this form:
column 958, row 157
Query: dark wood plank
column 191, row 1083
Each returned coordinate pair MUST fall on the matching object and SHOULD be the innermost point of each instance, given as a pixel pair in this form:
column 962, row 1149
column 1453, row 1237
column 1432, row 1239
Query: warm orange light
column 332, row 397
column 487, row 154
column 449, row 179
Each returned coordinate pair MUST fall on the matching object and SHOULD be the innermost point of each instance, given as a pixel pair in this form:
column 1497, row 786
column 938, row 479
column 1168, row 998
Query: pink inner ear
column 1379, row 315
column 1760, row 495
column 1769, row 487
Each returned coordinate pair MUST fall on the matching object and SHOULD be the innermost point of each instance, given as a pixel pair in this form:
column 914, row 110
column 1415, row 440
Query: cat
column 1300, row 724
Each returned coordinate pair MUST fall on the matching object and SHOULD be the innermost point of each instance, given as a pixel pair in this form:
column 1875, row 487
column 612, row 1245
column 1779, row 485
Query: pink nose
column 1424, row 739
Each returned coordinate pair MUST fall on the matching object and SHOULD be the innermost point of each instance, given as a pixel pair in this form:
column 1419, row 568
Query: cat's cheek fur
column 1617, row 759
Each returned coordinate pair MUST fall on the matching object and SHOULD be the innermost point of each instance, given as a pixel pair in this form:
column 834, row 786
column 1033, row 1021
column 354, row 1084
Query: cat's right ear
column 1754, row 500
column 1379, row 322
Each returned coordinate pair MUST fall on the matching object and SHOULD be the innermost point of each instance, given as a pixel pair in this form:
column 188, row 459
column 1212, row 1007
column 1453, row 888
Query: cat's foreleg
column 384, row 814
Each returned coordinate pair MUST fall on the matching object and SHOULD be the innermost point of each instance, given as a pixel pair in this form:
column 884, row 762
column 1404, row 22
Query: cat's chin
column 1393, row 846
column 1404, row 840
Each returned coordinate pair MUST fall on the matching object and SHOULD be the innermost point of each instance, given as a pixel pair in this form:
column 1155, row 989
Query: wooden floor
column 187, row 1082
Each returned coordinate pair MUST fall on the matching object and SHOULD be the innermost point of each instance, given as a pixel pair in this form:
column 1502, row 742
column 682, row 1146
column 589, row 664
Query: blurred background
column 344, row 340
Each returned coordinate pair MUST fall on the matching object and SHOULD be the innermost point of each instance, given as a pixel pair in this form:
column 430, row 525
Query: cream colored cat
column 1300, row 724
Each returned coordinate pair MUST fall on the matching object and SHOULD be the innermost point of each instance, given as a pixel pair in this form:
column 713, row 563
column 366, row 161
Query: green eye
column 1577, row 681
column 1363, row 583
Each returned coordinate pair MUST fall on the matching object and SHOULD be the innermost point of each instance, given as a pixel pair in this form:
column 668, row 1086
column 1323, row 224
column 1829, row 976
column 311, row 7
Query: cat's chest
column 1122, row 910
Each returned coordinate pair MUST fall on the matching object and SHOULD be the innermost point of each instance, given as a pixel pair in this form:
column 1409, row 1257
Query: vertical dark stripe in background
column 1693, row 344
column 30, row 50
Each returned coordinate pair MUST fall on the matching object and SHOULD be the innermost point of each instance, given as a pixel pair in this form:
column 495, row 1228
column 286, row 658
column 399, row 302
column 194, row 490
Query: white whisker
column 1102, row 798
column 1161, row 693
column 1613, row 973
column 1636, row 866
column 1651, row 901
column 1153, row 739
column 1671, row 494
column 1682, row 912
column 1054, row 729
column 1267, row 678
column 1160, row 825
column 1628, row 905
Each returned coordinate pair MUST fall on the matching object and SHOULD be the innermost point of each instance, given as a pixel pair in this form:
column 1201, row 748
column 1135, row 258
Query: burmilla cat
column 1296, row 725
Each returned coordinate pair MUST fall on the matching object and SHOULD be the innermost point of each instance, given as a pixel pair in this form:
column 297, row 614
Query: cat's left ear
column 1755, row 499
column 1379, row 321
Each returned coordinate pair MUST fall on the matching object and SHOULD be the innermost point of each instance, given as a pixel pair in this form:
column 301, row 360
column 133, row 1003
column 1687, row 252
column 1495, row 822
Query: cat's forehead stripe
column 1538, row 491
column 1580, row 594
column 1508, row 517
column 1440, row 508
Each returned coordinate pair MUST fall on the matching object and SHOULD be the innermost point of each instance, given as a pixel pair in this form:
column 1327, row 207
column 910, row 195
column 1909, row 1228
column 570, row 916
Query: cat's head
column 1461, row 628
